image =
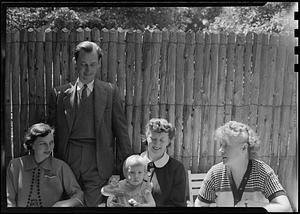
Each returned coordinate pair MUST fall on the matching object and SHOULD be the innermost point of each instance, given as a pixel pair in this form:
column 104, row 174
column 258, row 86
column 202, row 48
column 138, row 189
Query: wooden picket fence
column 198, row 81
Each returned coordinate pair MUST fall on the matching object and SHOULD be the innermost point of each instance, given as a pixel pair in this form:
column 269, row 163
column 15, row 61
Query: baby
column 134, row 190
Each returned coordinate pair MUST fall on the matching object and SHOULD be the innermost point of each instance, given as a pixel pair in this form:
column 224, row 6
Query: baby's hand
column 133, row 202
column 114, row 180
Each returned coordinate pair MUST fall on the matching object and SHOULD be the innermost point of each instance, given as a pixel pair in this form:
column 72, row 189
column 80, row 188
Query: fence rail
column 196, row 80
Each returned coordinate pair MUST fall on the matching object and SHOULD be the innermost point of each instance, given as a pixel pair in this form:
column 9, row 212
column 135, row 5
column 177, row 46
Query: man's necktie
column 84, row 92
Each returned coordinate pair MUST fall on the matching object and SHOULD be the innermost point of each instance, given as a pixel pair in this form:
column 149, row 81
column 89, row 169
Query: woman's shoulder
column 174, row 163
column 261, row 167
column 18, row 160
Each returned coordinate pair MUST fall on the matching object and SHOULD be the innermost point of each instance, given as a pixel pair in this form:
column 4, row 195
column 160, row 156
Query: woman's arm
column 199, row 203
column 279, row 204
column 10, row 187
column 72, row 202
column 71, row 187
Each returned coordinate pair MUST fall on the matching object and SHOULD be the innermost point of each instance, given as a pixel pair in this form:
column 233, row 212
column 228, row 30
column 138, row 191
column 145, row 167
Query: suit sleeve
column 120, row 129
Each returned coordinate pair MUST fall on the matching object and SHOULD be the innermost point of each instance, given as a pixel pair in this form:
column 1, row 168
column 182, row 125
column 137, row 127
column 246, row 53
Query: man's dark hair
column 87, row 46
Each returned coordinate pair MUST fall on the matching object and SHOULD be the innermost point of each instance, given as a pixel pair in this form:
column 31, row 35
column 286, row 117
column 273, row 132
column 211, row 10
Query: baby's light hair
column 133, row 160
column 241, row 132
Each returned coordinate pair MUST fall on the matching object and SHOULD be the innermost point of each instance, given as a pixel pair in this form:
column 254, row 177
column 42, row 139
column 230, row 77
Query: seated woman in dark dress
column 167, row 174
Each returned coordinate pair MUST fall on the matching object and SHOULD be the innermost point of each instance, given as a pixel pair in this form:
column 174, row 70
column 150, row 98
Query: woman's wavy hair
column 160, row 125
column 242, row 132
column 36, row 130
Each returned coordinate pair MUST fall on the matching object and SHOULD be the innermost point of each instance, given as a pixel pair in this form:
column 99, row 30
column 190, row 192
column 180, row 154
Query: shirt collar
column 30, row 163
column 90, row 85
column 160, row 162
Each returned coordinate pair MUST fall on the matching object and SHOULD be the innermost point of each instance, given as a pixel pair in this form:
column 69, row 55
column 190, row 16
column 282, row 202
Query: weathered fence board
column 179, row 95
column 130, row 59
column 138, row 85
column 198, row 90
column 170, row 76
column 23, row 85
column 188, row 98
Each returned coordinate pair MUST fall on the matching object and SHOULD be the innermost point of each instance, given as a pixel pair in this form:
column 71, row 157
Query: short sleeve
column 272, row 187
column 207, row 191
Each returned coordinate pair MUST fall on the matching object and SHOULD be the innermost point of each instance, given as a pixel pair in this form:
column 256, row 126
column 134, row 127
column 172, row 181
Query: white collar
column 90, row 85
column 160, row 162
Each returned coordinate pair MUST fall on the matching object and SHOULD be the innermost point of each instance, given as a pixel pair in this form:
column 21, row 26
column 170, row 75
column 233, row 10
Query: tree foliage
column 273, row 17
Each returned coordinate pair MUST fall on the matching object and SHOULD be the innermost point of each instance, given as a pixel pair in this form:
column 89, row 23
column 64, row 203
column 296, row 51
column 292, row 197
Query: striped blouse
column 260, row 184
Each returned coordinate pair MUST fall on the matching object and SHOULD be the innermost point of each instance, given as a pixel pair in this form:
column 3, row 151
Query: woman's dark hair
column 36, row 130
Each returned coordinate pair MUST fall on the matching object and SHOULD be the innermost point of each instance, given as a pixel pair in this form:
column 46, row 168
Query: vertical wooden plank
column 72, row 46
column 255, row 81
column 146, row 69
column 170, row 76
column 31, row 75
column 40, row 97
column 203, row 157
column 130, row 58
column 292, row 151
column 230, row 76
column 285, row 111
column 263, row 94
column 48, row 64
column 138, row 84
column 247, row 77
column 179, row 95
column 104, row 66
column 9, row 153
column 79, row 35
column 23, row 85
column 95, row 37
column 87, row 34
column 163, row 75
column 213, row 97
column 112, row 56
column 56, row 58
column 121, row 78
column 188, row 99
column 65, row 73
column 237, row 111
column 272, row 52
column 221, row 88
column 79, row 38
column 277, row 101
column 154, row 76
column 198, row 107
column 15, row 91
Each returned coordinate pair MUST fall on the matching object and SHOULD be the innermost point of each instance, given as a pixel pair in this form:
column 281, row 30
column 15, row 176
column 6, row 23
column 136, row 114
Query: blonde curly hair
column 242, row 133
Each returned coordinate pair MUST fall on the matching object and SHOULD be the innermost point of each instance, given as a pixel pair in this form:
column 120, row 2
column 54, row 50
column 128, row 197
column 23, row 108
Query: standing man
column 88, row 116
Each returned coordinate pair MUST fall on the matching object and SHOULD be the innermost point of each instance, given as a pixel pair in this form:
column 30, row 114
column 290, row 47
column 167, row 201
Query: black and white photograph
column 171, row 107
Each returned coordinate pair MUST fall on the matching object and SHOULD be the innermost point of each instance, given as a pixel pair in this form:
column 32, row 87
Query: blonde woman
column 241, row 180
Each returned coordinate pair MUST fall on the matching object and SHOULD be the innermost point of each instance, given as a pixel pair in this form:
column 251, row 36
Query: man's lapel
column 100, row 102
column 69, row 101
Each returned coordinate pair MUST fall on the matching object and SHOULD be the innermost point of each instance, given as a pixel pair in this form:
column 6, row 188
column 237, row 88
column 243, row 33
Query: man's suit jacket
column 110, row 122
